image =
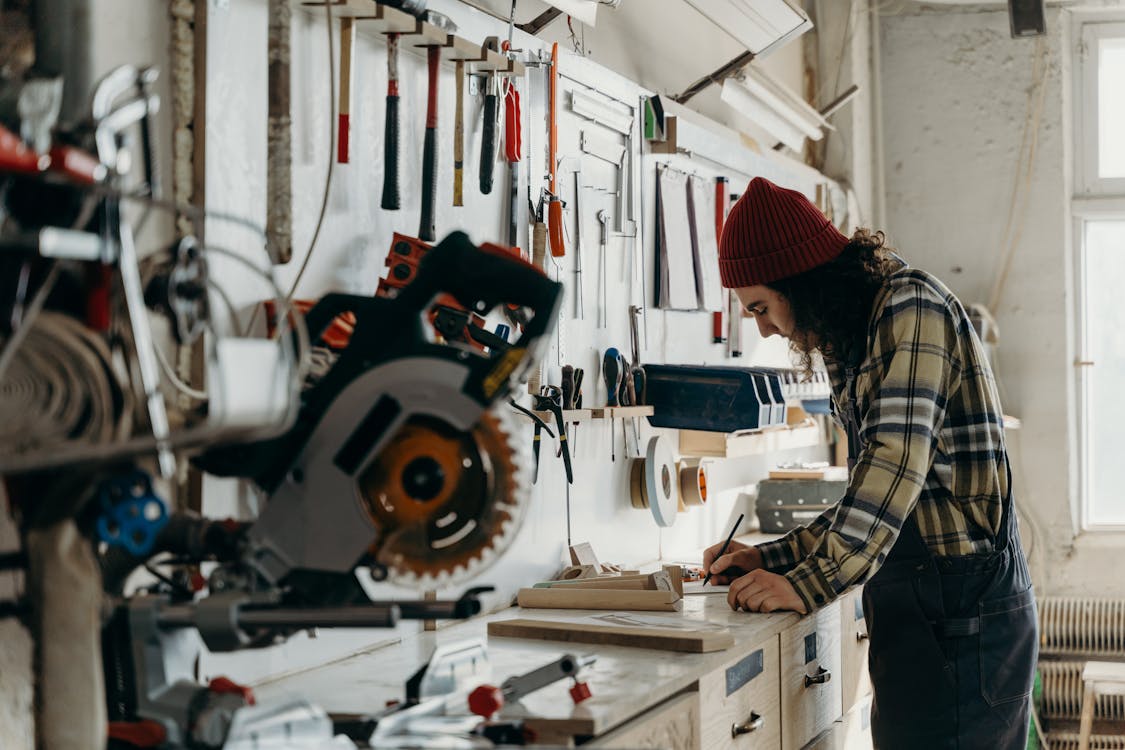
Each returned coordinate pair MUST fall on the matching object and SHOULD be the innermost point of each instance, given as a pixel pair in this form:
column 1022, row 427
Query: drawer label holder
column 810, row 647
column 744, row 671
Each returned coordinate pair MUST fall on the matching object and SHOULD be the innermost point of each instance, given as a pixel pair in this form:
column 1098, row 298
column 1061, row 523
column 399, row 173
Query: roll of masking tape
column 693, row 482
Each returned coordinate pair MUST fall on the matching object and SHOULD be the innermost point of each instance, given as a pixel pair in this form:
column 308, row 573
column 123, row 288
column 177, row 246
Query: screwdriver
column 611, row 373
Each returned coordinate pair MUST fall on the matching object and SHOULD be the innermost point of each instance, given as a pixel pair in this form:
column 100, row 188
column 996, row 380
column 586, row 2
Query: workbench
column 751, row 695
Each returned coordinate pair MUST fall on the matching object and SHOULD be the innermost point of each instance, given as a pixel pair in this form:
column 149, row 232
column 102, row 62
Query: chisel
column 390, row 200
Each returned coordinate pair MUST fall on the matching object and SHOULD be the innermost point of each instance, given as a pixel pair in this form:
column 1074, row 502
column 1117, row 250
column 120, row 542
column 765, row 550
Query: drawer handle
column 861, row 637
column 822, row 676
column 755, row 723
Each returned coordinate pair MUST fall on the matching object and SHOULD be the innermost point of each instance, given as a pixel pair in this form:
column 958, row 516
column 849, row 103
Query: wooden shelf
column 750, row 443
column 623, row 412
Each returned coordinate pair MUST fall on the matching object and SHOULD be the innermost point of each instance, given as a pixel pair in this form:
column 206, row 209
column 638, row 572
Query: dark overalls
column 954, row 640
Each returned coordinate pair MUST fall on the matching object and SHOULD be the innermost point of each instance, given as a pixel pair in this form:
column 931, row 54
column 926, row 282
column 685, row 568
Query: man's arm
column 915, row 341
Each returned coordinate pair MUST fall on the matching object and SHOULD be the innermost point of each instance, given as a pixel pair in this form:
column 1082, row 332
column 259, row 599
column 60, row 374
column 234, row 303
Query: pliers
column 550, row 399
column 540, row 425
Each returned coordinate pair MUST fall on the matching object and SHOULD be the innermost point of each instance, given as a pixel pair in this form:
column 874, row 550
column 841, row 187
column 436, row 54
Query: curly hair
column 831, row 303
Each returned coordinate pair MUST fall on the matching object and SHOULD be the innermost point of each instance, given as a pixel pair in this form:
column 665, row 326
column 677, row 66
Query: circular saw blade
column 446, row 502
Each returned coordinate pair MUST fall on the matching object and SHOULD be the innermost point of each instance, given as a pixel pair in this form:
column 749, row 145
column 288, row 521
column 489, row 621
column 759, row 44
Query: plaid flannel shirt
column 932, row 434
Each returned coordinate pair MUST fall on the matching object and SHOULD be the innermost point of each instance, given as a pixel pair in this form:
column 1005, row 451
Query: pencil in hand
column 723, row 550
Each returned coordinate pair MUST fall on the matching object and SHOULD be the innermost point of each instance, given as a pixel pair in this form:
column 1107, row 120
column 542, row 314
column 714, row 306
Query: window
column 1099, row 211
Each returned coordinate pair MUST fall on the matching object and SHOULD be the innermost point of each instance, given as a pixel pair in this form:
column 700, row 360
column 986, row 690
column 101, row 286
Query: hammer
column 426, row 229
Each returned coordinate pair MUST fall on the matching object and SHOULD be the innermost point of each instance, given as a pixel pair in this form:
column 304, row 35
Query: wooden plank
column 678, row 639
column 610, row 599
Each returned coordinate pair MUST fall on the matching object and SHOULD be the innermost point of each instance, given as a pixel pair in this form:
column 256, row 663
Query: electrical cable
column 1025, row 167
column 331, row 151
column 174, row 379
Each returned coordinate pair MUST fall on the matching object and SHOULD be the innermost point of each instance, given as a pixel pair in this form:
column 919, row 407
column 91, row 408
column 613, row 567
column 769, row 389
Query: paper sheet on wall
column 708, row 287
column 677, row 262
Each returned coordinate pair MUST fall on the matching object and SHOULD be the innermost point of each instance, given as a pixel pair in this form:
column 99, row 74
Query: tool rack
column 374, row 19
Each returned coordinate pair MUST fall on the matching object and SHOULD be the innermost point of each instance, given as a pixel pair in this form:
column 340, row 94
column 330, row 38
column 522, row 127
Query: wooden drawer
column 740, row 703
column 673, row 725
column 857, row 726
column 810, row 670
column 855, row 682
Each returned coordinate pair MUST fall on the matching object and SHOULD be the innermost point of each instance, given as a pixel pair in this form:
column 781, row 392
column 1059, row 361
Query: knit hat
column 773, row 233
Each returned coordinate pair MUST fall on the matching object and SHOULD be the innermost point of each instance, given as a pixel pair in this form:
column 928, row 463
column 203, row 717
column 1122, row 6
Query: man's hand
column 739, row 559
column 762, row 591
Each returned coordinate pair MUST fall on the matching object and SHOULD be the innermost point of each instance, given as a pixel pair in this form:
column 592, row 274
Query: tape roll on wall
column 655, row 483
column 693, row 483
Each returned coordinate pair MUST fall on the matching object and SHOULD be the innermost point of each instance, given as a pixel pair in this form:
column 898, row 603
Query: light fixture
column 760, row 26
column 774, row 108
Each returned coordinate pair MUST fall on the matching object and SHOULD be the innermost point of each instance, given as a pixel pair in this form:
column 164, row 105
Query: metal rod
column 718, row 76
column 378, row 616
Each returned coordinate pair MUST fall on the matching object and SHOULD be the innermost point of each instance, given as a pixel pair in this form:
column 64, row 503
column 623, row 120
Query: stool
column 1098, row 678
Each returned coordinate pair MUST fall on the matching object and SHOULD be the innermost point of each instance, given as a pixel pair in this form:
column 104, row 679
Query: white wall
column 356, row 236
column 951, row 159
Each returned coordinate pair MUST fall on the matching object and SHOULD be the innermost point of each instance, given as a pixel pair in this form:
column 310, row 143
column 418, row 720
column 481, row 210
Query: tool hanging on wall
column 722, row 203
column 513, row 154
column 279, row 134
column 554, row 206
column 426, row 223
column 491, row 119
column 343, row 116
column 390, row 201
column 611, row 375
column 603, row 251
column 550, row 399
column 459, row 135
column 579, row 308
column 654, row 482
column 734, row 313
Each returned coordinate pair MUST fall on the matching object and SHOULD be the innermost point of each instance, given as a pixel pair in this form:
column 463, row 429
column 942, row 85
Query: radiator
column 1062, row 693
column 1073, row 631
column 1069, row 741
column 1090, row 628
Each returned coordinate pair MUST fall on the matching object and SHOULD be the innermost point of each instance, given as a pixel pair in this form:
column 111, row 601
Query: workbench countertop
column 625, row 681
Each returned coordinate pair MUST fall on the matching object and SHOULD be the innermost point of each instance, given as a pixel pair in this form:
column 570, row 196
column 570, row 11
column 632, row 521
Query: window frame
column 1093, row 198
column 1089, row 33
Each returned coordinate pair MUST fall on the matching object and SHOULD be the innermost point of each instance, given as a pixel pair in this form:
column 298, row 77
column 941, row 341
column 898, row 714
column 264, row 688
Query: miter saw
column 397, row 462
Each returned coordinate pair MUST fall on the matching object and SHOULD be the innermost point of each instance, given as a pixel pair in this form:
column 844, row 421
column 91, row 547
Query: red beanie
column 773, row 233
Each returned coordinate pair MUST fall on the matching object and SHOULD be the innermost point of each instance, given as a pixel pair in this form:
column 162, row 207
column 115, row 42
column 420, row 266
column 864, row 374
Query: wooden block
column 459, row 48
column 387, row 20
column 346, row 8
column 589, row 630
column 583, row 554
column 574, row 572
column 612, row 599
column 659, row 581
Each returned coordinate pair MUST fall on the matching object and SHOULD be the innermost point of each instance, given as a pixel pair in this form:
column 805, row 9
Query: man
column 926, row 524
